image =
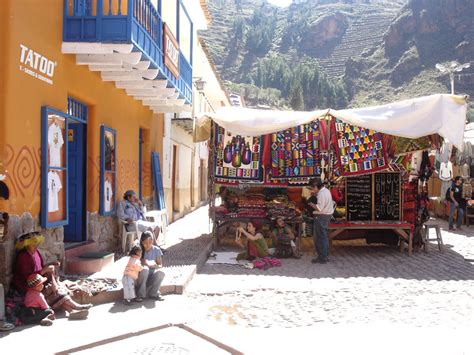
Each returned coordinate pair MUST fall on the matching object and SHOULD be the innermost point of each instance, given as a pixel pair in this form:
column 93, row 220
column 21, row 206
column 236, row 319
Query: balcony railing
column 125, row 21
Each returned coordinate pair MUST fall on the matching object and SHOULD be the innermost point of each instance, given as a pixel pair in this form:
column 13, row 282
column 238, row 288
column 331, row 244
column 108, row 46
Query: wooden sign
column 373, row 197
column 387, row 197
column 359, row 198
column 170, row 51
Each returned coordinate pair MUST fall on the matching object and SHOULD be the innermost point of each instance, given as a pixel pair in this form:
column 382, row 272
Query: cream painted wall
column 185, row 145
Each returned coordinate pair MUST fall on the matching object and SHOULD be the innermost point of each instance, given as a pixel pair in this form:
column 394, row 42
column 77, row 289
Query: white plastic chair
column 161, row 219
column 128, row 237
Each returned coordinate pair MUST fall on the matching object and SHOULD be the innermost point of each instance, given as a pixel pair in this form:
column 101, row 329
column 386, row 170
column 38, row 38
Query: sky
column 281, row 3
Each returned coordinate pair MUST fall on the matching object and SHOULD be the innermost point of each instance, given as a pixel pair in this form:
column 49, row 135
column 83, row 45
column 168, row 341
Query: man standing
column 323, row 211
column 456, row 202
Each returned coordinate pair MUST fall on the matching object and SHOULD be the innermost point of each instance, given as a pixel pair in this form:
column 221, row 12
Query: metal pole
column 451, row 77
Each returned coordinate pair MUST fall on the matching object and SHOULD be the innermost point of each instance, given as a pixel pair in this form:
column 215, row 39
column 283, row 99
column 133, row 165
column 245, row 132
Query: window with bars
column 77, row 109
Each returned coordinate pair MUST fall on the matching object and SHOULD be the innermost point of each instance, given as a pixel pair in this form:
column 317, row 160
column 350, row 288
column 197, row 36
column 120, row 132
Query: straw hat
column 31, row 238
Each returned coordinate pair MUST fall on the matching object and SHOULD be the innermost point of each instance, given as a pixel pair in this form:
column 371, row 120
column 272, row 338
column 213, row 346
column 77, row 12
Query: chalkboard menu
column 387, row 197
column 359, row 198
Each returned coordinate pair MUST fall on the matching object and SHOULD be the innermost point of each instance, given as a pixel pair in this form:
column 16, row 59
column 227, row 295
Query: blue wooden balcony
column 135, row 22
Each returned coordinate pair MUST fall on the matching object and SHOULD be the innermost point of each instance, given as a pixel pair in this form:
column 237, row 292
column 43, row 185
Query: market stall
column 259, row 151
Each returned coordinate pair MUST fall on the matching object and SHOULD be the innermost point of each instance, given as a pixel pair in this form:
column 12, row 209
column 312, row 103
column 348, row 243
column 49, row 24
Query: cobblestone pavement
column 370, row 299
column 361, row 284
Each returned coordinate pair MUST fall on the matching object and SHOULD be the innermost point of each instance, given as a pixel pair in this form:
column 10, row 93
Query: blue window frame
column 108, row 168
column 54, row 172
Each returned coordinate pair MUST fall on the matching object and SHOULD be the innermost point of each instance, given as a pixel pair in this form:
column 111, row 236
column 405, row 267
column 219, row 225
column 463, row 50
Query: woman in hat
column 256, row 244
column 29, row 261
column 131, row 210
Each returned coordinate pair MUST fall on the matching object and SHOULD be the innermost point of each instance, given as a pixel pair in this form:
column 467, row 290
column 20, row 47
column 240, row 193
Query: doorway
column 174, row 193
column 74, row 231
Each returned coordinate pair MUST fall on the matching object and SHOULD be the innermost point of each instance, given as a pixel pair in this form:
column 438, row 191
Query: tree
column 296, row 98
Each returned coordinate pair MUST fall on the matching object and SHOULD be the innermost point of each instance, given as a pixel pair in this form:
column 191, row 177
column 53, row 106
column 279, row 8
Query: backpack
column 448, row 194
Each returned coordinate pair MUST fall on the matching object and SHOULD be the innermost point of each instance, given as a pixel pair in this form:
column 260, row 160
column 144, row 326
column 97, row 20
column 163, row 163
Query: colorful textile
column 237, row 157
column 359, row 150
column 400, row 146
column 296, row 152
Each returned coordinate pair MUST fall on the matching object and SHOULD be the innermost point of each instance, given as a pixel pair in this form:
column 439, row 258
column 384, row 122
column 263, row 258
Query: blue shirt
column 127, row 210
column 153, row 254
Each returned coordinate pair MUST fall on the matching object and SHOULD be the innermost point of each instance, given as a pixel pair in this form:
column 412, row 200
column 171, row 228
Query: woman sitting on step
column 29, row 261
column 256, row 244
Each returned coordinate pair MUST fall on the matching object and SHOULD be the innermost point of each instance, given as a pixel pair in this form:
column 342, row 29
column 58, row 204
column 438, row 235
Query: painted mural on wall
column 23, row 175
column 23, row 172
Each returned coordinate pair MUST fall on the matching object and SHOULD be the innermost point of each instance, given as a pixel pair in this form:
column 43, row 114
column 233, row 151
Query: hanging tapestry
column 237, row 157
column 400, row 146
column 359, row 150
column 296, row 152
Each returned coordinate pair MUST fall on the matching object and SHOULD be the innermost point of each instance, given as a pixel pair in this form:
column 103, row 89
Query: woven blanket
column 359, row 150
column 396, row 146
column 296, row 152
column 237, row 157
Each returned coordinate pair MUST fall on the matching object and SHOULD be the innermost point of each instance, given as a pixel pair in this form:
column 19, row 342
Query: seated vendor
column 130, row 210
column 30, row 261
column 284, row 240
column 256, row 246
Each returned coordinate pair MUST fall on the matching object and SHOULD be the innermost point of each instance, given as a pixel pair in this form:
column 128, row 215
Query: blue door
column 74, row 231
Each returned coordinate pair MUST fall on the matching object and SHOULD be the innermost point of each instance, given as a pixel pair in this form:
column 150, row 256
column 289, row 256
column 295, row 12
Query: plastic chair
column 128, row 237
column 160, row 217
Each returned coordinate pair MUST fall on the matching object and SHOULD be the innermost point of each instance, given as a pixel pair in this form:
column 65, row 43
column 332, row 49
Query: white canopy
column 442, row 113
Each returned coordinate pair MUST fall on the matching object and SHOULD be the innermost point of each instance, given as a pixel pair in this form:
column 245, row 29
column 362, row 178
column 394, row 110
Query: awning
column 442, row 113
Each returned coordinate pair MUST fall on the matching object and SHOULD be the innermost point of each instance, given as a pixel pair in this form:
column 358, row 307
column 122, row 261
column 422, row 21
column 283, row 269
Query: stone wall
column 52, row 249
column 103, row 230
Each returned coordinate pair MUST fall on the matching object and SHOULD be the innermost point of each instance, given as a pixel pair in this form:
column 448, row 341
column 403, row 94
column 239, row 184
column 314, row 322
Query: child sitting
column 37, row 310
column 130, row 276
column 284, row 240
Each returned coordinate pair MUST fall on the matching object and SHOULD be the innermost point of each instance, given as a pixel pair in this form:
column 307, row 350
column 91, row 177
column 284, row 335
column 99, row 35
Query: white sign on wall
column 36, row 65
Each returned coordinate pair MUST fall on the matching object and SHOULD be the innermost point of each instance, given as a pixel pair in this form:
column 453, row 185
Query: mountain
column 340, row 53
column 424, row 33
column 299, row 49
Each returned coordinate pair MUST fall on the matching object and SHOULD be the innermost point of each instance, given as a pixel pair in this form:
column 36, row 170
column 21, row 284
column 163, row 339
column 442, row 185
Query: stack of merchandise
column 251, row 206
column 280, row 207
column 409, row 201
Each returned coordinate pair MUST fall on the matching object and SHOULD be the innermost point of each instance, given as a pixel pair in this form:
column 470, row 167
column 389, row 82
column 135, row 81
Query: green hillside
column 321, row 53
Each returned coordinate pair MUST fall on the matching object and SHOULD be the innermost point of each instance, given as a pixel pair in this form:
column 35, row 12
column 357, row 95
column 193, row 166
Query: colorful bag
column 266, row 263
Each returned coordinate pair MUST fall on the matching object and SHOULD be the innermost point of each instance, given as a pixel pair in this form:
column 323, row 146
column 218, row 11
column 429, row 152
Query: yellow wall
column 38, row 25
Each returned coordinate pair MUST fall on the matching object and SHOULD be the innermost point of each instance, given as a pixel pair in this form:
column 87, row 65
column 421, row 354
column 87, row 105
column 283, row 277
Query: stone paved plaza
column 370, row 299
column 361, row 284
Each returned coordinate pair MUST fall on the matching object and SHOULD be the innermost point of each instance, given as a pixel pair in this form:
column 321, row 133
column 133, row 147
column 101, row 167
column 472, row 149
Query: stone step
column 76, row 249
column 177, row 277
column 88, row 263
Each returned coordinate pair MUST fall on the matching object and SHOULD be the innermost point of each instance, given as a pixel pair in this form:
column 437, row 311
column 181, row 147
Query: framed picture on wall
column 107, row 171
column 54, row 172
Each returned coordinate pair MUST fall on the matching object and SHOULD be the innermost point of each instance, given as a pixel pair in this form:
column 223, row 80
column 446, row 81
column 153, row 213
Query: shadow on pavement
column 356, row 259
column 187, row 252
column 120, row 307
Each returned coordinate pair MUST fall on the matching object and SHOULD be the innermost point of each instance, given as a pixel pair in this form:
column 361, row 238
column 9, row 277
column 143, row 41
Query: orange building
column 83, row 90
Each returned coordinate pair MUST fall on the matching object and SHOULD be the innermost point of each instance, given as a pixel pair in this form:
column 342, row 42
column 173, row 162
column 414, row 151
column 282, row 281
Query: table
column 404, row 230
